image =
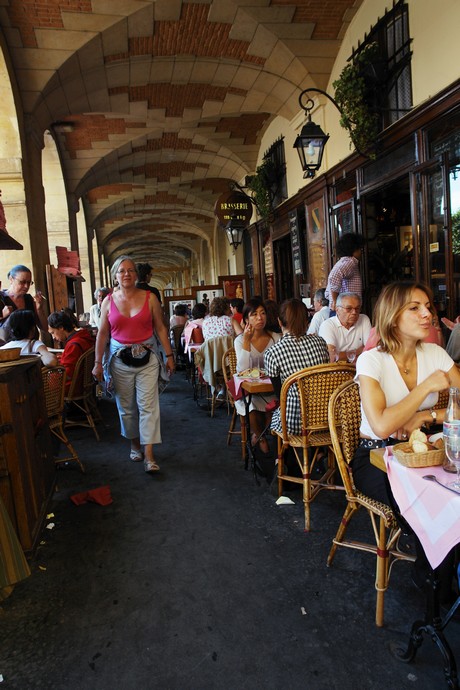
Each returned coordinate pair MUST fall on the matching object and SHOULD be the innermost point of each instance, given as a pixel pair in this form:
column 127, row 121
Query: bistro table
column 433, row 512
column 250, row 387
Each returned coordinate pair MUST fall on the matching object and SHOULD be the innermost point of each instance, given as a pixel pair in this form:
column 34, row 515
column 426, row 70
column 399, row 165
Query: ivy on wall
column 354, row 91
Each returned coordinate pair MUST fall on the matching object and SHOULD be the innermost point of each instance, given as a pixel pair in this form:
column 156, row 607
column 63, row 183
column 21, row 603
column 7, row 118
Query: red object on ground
column 101, row 495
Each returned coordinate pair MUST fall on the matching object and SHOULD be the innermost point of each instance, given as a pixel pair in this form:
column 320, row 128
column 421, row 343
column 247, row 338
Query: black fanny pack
column 135, row 355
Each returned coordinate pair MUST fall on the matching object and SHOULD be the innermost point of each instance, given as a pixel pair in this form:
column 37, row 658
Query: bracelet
column 170, row 355
column 95, row 362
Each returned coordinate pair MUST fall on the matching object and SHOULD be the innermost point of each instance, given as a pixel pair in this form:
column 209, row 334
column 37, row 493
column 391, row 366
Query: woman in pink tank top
column 131, row 322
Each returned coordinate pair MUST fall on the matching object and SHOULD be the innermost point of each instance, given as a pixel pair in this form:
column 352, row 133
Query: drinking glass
column 452, row 449
column 333, row 354
column 351, row 356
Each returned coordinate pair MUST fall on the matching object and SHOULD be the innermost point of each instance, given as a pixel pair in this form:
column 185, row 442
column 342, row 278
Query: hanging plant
column 261, row 185
column 456, row 233
column 355, row 92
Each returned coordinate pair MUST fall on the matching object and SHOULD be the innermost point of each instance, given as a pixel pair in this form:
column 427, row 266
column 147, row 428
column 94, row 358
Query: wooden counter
column 27, row 470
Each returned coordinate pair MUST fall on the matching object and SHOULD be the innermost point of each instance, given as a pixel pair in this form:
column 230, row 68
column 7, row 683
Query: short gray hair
column 13, row 272
column 319, row 297
column 104, row 290
column 342, row 295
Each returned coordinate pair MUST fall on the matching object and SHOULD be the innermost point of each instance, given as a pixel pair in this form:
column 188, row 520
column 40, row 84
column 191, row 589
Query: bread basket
column 9, row 354
column 428, row 459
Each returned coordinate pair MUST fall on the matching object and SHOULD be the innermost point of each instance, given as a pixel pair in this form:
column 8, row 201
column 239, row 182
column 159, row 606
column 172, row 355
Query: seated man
column 347, row 331
column 321, row 305
column 453, row 344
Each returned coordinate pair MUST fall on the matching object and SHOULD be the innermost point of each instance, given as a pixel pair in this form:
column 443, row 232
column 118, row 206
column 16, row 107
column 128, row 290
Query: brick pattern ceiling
column 168, row 102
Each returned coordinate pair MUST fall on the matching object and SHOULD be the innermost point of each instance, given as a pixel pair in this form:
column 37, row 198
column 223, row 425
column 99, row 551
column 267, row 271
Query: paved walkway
column 196, row 580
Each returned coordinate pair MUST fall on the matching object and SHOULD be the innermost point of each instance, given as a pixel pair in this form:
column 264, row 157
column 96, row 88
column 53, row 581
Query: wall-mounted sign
column 234, row 205
column 295, row 242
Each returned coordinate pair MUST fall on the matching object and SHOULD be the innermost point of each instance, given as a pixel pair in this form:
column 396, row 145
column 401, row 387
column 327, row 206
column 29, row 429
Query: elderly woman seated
column 219, row 321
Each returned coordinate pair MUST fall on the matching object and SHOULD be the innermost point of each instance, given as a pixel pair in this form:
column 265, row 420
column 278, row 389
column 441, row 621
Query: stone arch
column 56, row 208
column 12, row 182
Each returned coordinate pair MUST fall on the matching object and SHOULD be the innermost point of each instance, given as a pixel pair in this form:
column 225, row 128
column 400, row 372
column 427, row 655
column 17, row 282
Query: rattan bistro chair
column 315, row 386
column 344, row 422
column 81, row 393
column 228, row 370
column 54, row 379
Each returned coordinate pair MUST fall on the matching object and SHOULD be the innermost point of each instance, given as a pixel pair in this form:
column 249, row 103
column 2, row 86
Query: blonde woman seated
column 399, row 383
column 22, row 325
column 250, row 348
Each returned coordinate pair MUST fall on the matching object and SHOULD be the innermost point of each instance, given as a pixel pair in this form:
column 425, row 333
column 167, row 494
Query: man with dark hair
column 345, row 275
column 144, row 275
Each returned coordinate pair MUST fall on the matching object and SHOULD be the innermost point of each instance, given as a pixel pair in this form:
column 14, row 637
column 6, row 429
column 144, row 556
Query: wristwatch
column 434, row 415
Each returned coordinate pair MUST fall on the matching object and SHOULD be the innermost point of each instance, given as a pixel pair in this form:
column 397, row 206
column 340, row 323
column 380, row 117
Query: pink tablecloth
column 238, row 380
column 432, row 511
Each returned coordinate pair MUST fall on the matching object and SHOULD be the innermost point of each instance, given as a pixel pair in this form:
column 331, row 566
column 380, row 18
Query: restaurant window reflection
column 387, row 229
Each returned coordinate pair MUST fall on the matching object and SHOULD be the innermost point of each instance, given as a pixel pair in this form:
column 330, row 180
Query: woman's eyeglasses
column 123, row 271
column 24, row 282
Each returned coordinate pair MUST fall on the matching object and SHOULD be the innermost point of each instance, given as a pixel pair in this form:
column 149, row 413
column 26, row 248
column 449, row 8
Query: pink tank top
column 131, row 329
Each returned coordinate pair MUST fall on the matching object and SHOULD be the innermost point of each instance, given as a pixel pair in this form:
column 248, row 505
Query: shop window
column 343, row 207
column 388, row 81
column 276, row 160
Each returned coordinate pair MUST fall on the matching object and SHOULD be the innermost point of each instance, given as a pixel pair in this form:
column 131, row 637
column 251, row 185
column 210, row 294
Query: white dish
column 435, row 437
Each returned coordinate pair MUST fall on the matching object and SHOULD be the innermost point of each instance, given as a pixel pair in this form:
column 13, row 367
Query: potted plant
column 356, row 94
column 262, row 185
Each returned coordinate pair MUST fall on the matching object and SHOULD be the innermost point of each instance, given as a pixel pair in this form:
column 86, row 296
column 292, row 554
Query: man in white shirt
column 349, row 330
column 321, row 305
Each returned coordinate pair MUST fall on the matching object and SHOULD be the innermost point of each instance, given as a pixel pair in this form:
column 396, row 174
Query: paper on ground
column 284, row 501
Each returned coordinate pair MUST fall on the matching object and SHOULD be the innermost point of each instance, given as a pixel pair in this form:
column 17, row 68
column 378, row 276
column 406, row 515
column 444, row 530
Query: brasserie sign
column 233, row 205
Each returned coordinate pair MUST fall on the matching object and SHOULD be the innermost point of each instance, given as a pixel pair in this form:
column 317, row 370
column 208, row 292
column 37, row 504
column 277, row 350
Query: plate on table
column 254, row 373
column 436, row 437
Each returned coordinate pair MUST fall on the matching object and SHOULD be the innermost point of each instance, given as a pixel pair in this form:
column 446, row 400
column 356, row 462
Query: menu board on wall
column 295, row 242
column 316, row 243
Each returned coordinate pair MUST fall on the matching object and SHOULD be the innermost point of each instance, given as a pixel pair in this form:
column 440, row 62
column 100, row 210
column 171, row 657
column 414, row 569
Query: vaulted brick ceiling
column 168, row 99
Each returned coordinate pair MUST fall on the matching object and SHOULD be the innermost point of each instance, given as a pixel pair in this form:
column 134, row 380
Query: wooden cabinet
column 27, row 471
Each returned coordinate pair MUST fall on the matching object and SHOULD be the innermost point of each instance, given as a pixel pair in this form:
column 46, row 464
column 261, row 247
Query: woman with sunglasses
column 17, row 296
column 131, row 322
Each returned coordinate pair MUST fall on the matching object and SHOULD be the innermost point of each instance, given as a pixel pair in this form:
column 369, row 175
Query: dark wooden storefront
column 404, row 204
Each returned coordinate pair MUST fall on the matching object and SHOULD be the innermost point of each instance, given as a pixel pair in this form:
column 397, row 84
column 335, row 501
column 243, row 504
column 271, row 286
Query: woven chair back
column 229, row 369
column 54, row 386
column 344, row 423
column 82, row 380
column 229, row 363
column 443, row 400
column 315, row 386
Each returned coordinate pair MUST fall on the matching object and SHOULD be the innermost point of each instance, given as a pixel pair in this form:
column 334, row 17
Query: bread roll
column 417, row 435
column 419, row 447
